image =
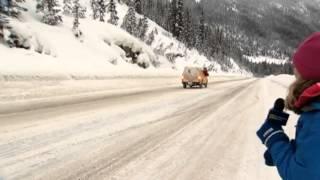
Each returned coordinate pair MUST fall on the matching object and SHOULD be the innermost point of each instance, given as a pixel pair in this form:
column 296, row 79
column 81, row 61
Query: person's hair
column 295, row 91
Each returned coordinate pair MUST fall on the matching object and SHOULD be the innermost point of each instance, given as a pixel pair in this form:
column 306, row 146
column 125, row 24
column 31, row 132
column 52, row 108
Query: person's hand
column 271, row 130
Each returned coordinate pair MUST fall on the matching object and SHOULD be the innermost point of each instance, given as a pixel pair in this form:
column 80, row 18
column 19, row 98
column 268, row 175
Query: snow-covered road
column 154, row 133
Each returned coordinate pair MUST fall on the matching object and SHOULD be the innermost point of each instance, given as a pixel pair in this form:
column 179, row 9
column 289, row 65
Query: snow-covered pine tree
column 67, row 7
column 3, row 22
column 179, row 20
column 188, row 28
column 161, row 12
column 94, row 7
column 149, row 9
column 76, row 11
column 150, row 38
column 76, row 14
column 172, row 19
column 129, row 22
column 40, row 6
column 11, row 7
column 82, row 12
column 142, row 28
column 113, row 13
column 138, row 6
column 81, row 9
column 51, row 11
column 207, row 41
column 101, row 9
column 176, row 19
column 201, row 32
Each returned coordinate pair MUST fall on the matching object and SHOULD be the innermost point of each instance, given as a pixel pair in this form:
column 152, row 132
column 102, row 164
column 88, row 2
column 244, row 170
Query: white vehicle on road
column 194, row 76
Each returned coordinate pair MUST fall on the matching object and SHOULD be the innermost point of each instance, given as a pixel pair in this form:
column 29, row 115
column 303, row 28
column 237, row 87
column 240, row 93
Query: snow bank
column 269, row 60
column 282, row 79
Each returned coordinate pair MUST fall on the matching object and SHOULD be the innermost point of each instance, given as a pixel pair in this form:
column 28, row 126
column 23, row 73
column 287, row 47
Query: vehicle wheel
column 184, row 85
column 206, row 85
column 201, row 86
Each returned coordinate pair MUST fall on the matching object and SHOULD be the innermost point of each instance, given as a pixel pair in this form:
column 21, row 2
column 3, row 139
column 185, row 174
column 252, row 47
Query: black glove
column 271, row 131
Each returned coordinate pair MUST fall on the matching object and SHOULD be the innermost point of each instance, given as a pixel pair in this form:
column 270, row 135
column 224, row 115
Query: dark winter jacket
column 205, row 72
column 300, row 159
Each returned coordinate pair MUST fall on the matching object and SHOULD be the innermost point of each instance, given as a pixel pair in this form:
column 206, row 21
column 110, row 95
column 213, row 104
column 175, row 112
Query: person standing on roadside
column 300, row 158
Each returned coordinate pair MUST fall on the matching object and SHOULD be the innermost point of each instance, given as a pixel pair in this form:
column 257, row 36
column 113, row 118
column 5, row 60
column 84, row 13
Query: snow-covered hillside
column 55, row 52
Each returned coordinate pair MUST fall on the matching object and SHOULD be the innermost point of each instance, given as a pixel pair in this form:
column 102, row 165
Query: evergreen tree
column 51, row 11
column 207, row 42
column 101, row 9
column 172, row 19
column 40, row 6
column 142, row 28
column 150, row 9
column 11, row 7
column 82, row 11
column 77, row 10
column 67, row 7
column 129, row 22
column 113, row 13
column 161, row 13
column 150, row 38
column 201, row 32
column 188, row 28
column 76, row 14
column 138, row 6
column 3, row 22
column 94, row 7
column 177, row 18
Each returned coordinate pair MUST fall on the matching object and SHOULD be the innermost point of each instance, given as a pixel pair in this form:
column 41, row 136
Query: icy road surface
column 159, row 132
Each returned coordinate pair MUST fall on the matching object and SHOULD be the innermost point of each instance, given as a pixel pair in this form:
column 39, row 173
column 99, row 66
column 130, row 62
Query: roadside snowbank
column 268, row 60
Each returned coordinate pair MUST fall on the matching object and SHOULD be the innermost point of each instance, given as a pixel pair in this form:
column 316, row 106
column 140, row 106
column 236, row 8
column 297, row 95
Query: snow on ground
column 283, row 80
column 160, row 134
column 269, row 60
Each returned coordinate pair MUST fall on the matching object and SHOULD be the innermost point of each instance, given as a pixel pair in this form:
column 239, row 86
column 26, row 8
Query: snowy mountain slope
column 169, row 47
column 96, row 54
column 267, row 28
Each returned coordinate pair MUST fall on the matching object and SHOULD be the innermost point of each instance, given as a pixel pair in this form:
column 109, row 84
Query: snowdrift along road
column 169, row 133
